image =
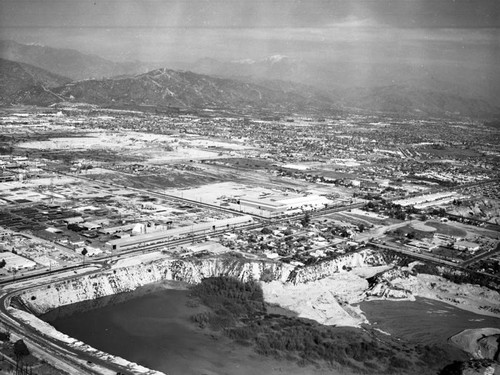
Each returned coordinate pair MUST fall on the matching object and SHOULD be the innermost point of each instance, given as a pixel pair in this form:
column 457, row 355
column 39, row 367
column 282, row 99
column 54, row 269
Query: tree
column 400, row 215
column 370, row 205
column 84, row 252
column 4, row 336
column 306, row 220
column 266, row 230
column 20, row 350
column 2, row 263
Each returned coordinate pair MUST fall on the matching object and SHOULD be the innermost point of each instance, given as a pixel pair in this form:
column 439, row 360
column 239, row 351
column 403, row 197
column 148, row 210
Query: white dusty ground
column 329, row 300
column 156, row 148
column 468, row 297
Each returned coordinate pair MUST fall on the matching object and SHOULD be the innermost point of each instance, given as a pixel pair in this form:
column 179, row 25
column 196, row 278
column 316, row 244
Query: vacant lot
column 447, row 229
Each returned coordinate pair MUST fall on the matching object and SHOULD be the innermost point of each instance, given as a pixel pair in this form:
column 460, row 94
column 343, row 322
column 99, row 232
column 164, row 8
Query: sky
column 442, row 31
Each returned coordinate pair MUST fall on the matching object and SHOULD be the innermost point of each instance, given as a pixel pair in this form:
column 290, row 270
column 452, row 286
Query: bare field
column 182, row 179
column 152, row 148
column 447, row 229
column 357, row 215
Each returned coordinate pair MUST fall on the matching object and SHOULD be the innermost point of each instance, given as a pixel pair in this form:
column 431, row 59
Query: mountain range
column 18, row 77
column 276, row 67
column 171, row 88
column 68, row 62
column 339, row 76
column 38, row 76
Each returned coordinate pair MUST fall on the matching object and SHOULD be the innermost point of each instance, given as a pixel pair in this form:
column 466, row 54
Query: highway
column 75, row 361
column 413, row 254
column 482, row 256
column 54, row 351
column 156, row 194
column 431, row 259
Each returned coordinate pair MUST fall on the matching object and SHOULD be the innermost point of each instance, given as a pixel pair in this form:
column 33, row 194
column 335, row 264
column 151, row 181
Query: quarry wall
column 115, row 280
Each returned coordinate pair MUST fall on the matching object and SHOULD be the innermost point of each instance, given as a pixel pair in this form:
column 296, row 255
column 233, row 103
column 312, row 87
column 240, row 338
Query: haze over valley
column 249, row 187
column 397, row 88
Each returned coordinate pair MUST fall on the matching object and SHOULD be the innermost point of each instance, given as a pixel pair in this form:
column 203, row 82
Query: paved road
column 54, row 351
column 431, row 259
column 75, row 361
column 414, row 254
column 379, row 232
column 479, row 257
column 157, row 194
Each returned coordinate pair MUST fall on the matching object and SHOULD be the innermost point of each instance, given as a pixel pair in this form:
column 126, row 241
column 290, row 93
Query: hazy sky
column 442, row 31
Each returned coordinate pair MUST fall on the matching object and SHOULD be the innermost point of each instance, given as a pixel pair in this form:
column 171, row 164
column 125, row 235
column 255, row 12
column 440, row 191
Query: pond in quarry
column 423, row 321
column 152, row 327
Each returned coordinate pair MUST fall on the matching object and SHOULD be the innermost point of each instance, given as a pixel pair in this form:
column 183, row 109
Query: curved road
column 76, row 361
column 53, row 350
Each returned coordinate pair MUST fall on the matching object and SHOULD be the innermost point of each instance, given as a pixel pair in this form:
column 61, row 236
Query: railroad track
column 83, row 363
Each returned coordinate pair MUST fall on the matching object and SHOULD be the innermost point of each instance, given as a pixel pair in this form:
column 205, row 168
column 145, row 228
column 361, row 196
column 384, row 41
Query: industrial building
column 467, row 246
column 157, row 237
column 15, row 262
column 283, row 204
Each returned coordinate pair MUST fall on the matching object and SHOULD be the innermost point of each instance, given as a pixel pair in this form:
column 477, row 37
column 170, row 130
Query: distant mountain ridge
column 407, row 99
column 275, row 83
column 68, row 62
column 276, row 67
column 18, row 77
column 165, row 87
column 447, row 84
column 171, row 88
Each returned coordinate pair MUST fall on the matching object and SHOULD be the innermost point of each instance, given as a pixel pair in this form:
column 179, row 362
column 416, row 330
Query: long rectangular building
column 170, row 234
column 283, row 204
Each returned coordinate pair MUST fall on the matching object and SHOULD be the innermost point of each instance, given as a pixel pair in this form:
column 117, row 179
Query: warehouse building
column 161, row 236
column 283, row 204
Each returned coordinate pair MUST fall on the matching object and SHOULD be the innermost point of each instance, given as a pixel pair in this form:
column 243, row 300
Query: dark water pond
column 152, row 327
column 423, row 321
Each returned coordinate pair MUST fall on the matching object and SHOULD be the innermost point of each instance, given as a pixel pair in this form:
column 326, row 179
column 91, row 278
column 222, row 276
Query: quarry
column 332, row 289
column 97, row 208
